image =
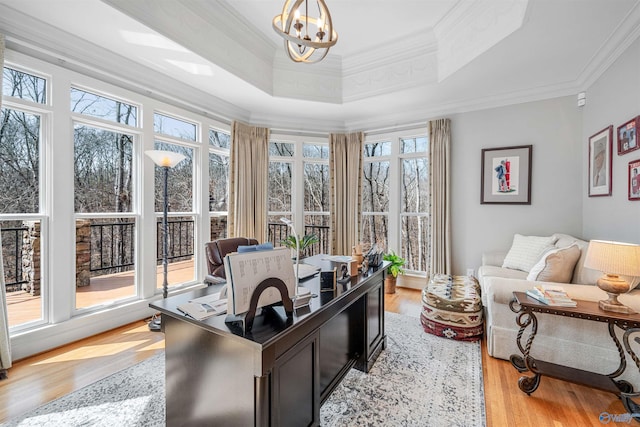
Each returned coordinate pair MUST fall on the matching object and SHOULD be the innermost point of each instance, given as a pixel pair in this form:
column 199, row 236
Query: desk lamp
column 616, row 260
column 166, row 160
column 300, row 291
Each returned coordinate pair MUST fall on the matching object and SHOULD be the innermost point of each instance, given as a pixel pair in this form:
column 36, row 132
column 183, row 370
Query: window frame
column 396, row 158
column 45, row 112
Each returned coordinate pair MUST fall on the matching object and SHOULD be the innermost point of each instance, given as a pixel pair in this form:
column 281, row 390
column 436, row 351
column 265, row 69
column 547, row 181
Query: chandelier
column 301, row 44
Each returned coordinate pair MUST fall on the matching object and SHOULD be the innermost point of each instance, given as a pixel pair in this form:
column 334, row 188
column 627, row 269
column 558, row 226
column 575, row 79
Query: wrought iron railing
column 112, row 244
column 12, row 257
column 180, row 245
column 278, row 232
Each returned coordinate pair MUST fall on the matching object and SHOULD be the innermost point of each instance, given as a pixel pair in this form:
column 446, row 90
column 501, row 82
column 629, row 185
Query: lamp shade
column 165, row 158
column 613, row 257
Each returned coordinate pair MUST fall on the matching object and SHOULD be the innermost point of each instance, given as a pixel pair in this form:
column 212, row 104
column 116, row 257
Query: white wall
column 613, row 100
column 553, row 127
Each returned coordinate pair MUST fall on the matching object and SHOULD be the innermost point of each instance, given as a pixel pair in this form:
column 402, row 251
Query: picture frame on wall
column 600, row 162
column 506, row 175
column 628, row 136
column 634, row 180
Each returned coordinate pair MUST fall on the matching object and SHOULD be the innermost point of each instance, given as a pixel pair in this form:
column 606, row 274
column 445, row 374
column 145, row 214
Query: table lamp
column 616, row 260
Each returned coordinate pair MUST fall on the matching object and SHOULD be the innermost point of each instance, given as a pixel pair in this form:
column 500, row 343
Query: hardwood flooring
column 41, row 378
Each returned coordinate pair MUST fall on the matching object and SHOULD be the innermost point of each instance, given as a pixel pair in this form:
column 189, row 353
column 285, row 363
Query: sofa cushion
column 556, row 265
column 581, row 274
column 493, row 271
column 526, row 251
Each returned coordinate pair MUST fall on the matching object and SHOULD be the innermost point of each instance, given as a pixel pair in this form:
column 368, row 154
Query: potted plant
column 395, row 268
column 305, row 241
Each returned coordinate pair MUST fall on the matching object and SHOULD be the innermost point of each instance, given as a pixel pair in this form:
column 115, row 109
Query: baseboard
column 411, row 281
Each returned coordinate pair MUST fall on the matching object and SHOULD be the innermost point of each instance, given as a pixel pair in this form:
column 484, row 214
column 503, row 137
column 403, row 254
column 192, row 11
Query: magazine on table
column 551, row 295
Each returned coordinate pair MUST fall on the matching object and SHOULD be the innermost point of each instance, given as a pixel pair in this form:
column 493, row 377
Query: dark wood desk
column 282, row 371
column 526, row 308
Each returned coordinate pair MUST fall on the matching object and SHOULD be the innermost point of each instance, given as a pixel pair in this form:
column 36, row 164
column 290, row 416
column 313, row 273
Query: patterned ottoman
column 451, row 308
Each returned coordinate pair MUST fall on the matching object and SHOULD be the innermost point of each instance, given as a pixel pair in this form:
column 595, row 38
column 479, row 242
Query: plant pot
column 390, row 285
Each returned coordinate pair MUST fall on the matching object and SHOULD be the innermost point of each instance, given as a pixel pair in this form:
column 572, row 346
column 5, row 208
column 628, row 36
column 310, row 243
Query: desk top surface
column 273, row 322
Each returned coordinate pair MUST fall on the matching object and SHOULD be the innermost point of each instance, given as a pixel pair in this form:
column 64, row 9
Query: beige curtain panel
column 345, row 166
column 248, row 176
column 440, row 197
column 5, row 343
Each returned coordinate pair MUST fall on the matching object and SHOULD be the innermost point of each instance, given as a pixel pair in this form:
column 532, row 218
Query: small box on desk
column 328, row 280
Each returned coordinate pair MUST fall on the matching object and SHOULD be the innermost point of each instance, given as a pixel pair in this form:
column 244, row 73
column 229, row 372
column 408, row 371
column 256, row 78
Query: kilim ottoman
column 451, row 307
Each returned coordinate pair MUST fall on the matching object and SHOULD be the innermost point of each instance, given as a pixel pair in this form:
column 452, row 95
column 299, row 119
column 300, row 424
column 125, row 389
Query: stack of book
column 551, row 295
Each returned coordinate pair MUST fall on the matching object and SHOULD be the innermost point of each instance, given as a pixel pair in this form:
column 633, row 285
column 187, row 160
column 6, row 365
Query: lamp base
column 615, row 306
column 155, row 324
column 613, row 285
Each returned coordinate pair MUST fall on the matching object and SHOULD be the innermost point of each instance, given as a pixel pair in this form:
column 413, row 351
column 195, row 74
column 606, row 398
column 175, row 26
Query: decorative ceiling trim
column 472, row 28
column 418, row 70
column 627, row 32
column 321, row 82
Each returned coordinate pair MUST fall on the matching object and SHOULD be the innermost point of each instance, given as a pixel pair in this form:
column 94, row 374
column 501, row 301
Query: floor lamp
column 166, row 160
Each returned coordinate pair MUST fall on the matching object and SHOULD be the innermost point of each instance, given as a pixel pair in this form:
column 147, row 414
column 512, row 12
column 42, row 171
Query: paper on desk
column 245, row 271
column 337, row 258
column 203, row 309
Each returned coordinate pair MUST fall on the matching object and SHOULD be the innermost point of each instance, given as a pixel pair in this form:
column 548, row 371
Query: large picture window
column 395, row 185
column 181, row 202
column 21, row 216
column 105, row 228
column 219, row 145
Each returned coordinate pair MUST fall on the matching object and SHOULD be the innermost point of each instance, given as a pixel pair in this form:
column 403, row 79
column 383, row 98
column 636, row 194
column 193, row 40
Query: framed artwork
column 634, row 180
column 600, row 146
column 628, row 136
column 506, row 175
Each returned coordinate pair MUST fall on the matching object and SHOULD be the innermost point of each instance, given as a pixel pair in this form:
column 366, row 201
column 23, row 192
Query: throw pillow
column 556, row 265
column 526, row 251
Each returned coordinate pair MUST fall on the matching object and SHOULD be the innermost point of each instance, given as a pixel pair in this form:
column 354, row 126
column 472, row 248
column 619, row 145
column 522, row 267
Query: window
column 181, row 217
column 171, row 126
column 415, row 203
column 219, row 144
column 21, row 215
column 94, row 105
column 396, row 185
column 22, row 85
column 299, row 189
column 105, row 229
column 280, row 189
column 375, row 195
column 316, row 193
column 20, row 148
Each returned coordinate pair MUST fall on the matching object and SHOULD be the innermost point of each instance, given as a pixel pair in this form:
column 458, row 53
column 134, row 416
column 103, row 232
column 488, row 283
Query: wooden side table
column 526, row 308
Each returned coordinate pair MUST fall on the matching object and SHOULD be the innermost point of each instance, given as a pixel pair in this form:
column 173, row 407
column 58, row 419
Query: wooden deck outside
column 23, row 308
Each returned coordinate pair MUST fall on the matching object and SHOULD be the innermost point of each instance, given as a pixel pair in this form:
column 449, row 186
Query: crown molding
column 417, row 70
column 321, row 82
column 399, row 49
column 471, row 28
column 625, row 34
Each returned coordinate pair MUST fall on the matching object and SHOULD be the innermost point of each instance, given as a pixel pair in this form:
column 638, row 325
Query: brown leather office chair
column 215, row 253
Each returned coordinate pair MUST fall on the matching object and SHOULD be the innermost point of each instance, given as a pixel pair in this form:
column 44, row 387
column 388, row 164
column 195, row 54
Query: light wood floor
column 39, row 379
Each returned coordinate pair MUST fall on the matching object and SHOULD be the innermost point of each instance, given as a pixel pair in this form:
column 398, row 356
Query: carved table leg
column 525, row 362
column 626, row 396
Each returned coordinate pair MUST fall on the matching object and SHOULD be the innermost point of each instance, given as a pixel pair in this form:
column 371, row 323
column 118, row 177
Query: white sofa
column 578, row 343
